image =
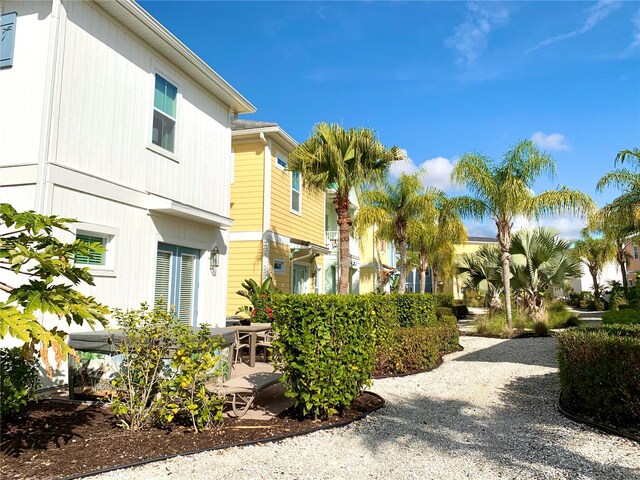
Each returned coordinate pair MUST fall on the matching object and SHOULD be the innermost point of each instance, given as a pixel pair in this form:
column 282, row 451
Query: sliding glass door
column 177, row 280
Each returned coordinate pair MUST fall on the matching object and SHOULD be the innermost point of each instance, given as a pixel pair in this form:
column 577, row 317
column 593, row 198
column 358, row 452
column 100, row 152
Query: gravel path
column 487, row 412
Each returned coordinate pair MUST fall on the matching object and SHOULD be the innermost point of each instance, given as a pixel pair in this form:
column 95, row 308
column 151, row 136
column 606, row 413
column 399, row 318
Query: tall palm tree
column 540, row 259
column 392, row 209
column 628, row 180
column 595, row 253
column 345, row 159
column 501, row 191
column 432, row 238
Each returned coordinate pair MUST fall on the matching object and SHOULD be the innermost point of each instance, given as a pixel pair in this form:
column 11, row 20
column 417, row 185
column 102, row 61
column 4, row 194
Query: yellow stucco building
column 279, row 225
column 472, row 246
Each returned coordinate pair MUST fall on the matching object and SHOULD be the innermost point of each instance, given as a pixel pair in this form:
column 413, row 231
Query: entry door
column 177, row 280
column 300, row 279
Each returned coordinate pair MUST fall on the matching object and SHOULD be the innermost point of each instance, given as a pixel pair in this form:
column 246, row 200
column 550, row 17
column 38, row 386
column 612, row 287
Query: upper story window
column 635, row 252
column 94, row 258
column 281, row 162
column 164, row 114
column 296, row 182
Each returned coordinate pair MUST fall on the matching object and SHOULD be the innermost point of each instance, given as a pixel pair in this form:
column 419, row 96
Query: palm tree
column 481, row 272
column 595, row 253
column 540, row 259
column 433, row 237
column 345, row 159
column 392, row 209
column 501, row 191
column 627, row 180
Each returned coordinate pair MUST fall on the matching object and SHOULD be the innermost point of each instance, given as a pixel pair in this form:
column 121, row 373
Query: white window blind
column 163, row 277
column 187, row 288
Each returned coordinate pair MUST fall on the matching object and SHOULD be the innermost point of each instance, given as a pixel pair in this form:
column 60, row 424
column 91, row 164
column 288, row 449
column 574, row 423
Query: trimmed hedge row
column 600, row 372
column 327, row 345
column 625, row 317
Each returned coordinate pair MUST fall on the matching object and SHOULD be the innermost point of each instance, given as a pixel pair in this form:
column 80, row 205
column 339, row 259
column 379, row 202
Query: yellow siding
column 247, row 197
column 369, row 258
column 281, row 280
column 308, row 226
column 245, row 261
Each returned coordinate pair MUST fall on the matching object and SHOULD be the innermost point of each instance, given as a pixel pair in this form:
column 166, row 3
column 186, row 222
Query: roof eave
column 169, row 45
column 275, row 131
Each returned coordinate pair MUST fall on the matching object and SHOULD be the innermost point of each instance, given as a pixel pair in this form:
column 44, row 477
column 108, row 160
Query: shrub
column 415, row 309
column 410, row 349
column 325, row 347
column 443, row 299
column 261, row 297
column 572, row 321
column 625, row 317
column 557, row 314
column 600, row 372
column 440, row 311
column 164, row 368
column 20, row 380
column 460, row 311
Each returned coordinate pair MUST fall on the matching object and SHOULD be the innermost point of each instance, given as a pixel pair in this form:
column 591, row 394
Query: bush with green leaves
column 443, row 299
column 261, row 297
column 325, row 348
column 409, row 349
column 164, row 369
column 19, row 379
column 624, row 317
column 415, row 309
column 29, row 247
column 599, row 371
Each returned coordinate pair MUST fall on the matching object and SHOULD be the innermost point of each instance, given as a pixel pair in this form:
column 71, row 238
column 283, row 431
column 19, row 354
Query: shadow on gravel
column 521, row 437
column 517, row 350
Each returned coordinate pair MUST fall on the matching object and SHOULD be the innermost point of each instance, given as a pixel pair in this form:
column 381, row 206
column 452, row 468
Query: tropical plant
column 334, row 157
column 481, row 272
column 393, row 209
column 29, row 249
column 260, row 297
column 502, row 191
column 432, row 239
column 540, row 260
column 595, row 253
column 628, row 180
column 19, row 380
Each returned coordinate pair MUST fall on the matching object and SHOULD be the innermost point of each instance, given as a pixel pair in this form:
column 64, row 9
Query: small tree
column 29, row 249
column 595, row 253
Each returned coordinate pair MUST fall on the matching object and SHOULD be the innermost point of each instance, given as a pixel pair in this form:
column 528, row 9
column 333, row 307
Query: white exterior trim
column 12, row 175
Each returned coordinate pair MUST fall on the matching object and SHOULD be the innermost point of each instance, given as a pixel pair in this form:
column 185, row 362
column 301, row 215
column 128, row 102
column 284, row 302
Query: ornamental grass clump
column 325, row 347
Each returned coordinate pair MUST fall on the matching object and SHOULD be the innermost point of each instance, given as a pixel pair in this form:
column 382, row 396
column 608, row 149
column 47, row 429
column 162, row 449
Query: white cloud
column 636, row 30
column 553, row 141
column 438, row 171
column 568, row 227
column 596, row 13
column 470, row 37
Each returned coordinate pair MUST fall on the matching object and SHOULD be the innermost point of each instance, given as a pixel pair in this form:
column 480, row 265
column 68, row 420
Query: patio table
column 253, row 331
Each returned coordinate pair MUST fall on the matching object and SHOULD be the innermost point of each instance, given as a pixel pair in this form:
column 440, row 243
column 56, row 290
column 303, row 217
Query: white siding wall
column 105, row 113
column 22, row 86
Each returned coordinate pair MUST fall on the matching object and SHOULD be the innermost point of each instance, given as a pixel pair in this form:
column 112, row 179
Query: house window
column 281, row 163
column 278, row 267
column 635, row 252
column 94, row 258
column 177, row 280
column 295, row 191
column 164, row 114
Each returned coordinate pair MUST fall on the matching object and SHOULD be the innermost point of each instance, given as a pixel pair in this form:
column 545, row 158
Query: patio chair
column 241, row 342
column 241, row 392
column 265, row 339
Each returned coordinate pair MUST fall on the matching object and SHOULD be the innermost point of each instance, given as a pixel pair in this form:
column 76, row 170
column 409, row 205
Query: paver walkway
column 487, row 412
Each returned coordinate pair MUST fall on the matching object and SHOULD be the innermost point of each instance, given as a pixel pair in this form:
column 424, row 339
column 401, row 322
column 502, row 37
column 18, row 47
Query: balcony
column 332, row 239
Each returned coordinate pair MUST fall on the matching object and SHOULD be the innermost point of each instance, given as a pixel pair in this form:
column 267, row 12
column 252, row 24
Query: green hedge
column 325, row 347
column 600, row 372
column 443, row 299
column 625, row 317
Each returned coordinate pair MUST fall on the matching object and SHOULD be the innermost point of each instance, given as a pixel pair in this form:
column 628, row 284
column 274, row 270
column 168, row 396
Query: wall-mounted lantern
column 214, row 259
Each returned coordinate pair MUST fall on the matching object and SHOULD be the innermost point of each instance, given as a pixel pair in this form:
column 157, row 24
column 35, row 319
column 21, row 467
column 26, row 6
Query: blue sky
column 436, row 78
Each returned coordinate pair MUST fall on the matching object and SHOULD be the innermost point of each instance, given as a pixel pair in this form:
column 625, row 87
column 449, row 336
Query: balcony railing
column 332, row 240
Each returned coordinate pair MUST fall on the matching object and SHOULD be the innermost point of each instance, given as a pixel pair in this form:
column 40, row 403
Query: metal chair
column 240, row 343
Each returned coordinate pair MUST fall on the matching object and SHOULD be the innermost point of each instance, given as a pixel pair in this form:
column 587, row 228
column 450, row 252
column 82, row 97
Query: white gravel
column 487, row 412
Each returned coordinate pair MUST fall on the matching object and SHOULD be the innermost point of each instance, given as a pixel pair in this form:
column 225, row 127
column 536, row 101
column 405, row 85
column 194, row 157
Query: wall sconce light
column 214, row 259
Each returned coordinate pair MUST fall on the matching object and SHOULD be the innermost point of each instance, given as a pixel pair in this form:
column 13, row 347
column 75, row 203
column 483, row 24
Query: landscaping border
column 596, row 425
column 439, row 364
column 276, row 438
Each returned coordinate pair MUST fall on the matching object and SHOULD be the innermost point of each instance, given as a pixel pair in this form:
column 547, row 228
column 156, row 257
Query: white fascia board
column 141, row 23
column 12, row 175
column 277, row 133
column 189, row 212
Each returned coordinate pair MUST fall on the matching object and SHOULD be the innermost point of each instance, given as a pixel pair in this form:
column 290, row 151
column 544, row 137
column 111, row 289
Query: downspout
column 266, row 208
column 42, row 201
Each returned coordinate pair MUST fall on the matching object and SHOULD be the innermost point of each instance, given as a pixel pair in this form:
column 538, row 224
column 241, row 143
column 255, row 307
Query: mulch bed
column 58, row 439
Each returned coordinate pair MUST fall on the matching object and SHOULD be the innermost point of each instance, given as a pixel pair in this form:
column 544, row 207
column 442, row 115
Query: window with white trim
column 93, row 258
column 635, row 252
column 296, row 191
column 281, row 163
column 279, row 266
column 164, row 114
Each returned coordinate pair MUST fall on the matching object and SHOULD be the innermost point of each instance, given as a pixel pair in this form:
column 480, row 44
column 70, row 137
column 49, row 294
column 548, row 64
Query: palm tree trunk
column 623, row 269
column 402, row 283
column 344, row 224
column 504, row 239
column 423, row 280
column 596, row 287
column 620, row 257
column 434, row 283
